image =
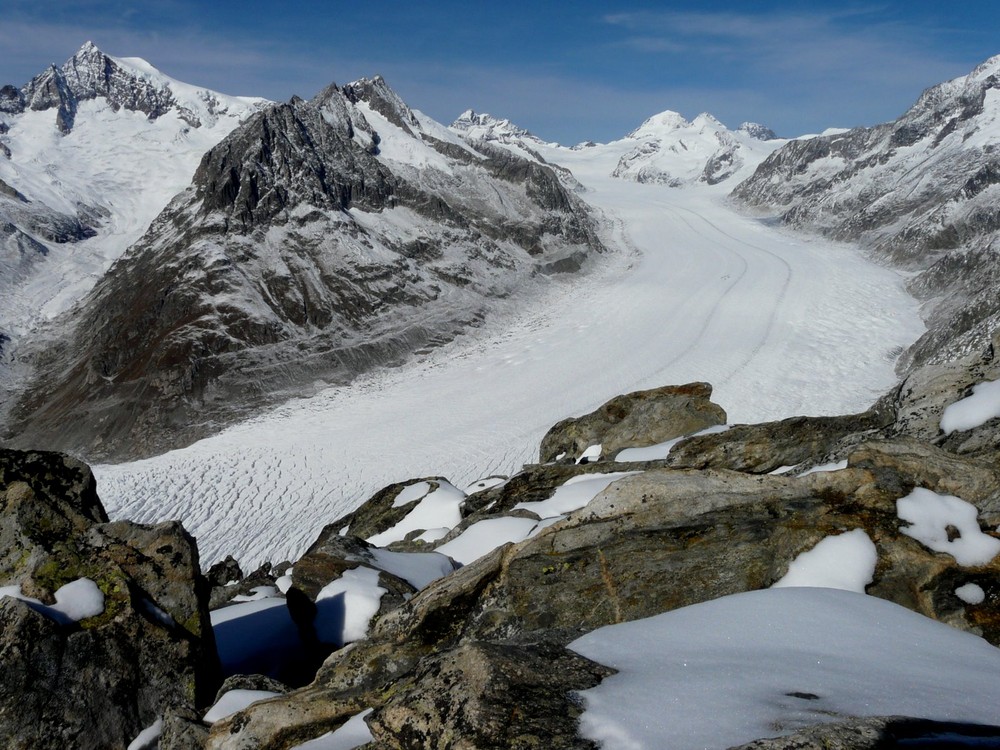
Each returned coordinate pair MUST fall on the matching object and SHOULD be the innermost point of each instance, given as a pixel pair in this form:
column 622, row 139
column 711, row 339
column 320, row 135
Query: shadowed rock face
column 299, row 255
column 97, row 682
column 877, row 733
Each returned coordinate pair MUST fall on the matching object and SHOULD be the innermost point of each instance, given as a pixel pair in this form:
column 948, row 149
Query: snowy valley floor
column 780, row 324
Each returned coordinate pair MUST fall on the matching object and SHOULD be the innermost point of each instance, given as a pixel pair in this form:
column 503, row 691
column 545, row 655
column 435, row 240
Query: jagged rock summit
column 125, row 83
column 482, row 126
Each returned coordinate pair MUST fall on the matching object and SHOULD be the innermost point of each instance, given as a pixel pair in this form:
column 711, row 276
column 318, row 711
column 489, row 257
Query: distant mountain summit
column 129, row 83
column 758, row 131
column 485, row 127
column 671, row 151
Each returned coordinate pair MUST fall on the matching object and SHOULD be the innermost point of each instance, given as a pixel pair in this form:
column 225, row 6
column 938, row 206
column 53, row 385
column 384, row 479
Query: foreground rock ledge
column 99, row 681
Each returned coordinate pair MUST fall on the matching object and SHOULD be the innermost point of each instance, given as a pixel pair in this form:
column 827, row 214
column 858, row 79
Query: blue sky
column 568, row 71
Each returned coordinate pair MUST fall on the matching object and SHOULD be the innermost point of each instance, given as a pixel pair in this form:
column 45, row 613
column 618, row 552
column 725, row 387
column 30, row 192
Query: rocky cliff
column 105, row 626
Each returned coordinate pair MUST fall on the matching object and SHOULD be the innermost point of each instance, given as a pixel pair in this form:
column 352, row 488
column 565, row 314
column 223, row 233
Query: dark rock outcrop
column 543, row 676
column 882, row 733
column 762, row 448
column 96, row 680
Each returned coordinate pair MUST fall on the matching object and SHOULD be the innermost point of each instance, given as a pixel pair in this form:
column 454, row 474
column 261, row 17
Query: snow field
column 766, row 663
column 345, row 607
column 147, row 737
column 945, row 523
column 845, row 561
column 75, row 601
column 485, row 536
column 235, row 700
column 662, row 450
column 354, row 733
column 974, row 410
column 437, row 509
column 971, row 593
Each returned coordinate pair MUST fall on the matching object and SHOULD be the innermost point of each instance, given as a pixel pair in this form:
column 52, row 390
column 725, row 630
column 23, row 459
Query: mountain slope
column 90, row 152
column 921, row 192
column 316, row 240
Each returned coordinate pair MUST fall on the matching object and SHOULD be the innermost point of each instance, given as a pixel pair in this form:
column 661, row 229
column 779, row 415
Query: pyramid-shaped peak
column 378, row 95
column 706, row 118
column 88, row 56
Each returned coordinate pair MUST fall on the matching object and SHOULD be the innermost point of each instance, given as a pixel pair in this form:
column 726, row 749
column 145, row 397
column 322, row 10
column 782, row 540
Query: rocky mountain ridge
column 131, row 85
column 483, row 126
column 317, row 239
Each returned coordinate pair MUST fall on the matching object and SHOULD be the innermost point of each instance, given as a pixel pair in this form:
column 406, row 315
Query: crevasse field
column 780, row 323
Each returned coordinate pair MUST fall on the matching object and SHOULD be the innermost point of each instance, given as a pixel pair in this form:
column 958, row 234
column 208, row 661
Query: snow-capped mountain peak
column 90, row 151
column 672, row 151
column 130, row 83
column 663, row 122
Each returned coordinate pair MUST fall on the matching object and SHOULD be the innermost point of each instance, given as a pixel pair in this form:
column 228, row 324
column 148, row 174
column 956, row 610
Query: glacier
column 780, row 323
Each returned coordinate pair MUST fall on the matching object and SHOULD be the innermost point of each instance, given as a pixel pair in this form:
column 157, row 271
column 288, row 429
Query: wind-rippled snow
column 780, row 324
